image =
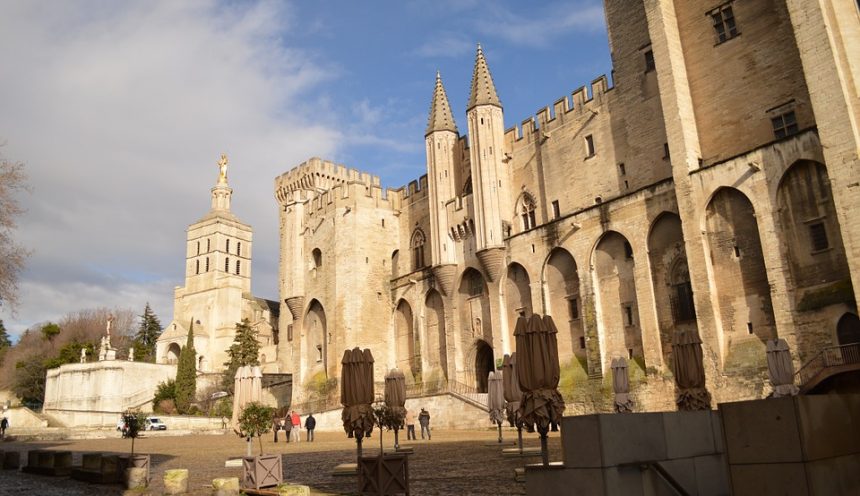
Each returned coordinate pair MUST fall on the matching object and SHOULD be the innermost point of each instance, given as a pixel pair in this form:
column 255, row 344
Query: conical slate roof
column 440, row 111
column 483, row 89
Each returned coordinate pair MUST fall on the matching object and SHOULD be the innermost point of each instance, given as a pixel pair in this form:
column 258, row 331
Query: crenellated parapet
column 317, row 175
column 579, row 106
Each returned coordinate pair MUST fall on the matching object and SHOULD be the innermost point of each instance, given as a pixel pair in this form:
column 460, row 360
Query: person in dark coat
column 310, row 425
column 276, row 426
column 288, row 427
column 424, row 420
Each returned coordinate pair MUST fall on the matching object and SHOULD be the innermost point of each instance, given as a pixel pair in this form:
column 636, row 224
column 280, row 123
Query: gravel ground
column 454, row 462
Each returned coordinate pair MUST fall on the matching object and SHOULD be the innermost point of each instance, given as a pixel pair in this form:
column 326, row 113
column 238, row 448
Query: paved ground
column 454, row 462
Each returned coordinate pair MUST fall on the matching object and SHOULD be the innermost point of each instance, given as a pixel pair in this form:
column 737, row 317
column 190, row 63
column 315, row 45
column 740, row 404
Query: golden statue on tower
column 222, row 165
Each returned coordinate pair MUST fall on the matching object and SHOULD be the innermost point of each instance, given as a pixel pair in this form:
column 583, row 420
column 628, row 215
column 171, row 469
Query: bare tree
column 12, row 182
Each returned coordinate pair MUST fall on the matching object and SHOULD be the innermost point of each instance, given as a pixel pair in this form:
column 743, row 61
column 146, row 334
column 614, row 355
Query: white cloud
column 119, row 111
column 541, row 30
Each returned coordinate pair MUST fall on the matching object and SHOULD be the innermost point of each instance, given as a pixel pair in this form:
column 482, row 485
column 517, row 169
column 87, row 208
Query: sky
column 120, row 110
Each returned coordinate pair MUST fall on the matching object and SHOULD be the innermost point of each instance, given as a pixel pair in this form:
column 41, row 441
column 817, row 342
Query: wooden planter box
column 386, row 475
column 136, row 461
column 261, row 471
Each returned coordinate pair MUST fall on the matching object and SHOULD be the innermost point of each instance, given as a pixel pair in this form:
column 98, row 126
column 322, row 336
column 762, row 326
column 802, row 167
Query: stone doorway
column 483, row 364
column 848, row 329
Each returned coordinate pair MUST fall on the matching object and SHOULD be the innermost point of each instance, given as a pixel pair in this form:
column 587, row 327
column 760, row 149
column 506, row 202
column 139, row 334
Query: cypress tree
column 147, row 335
column 186, row 374
column 245, row 350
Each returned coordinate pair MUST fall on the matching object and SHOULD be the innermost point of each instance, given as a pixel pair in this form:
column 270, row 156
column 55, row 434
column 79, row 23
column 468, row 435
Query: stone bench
column 99, row 469
column 48, row 462
column 10, row 460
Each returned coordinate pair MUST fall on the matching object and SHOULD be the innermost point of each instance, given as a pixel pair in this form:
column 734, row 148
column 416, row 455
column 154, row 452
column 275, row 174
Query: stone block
column 632, row 438
column 228, row 486
column 769, row 478
column 580, row 441
column 828, row 425
column 176, row 481
column 712, row 475
column 564, row 481
column 839, row 475
column 688, row 434
column 626, row 480
column 719, row 435
column 761, row 431
column 682, row 470
column 293, row 490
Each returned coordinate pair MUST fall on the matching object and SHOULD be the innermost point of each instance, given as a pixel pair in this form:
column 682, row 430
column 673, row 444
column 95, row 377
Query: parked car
column 154, row 424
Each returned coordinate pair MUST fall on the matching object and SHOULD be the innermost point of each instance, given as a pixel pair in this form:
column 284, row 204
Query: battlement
column 319, row 175
column 416, row 190
column 579, row 105
column 353, row 194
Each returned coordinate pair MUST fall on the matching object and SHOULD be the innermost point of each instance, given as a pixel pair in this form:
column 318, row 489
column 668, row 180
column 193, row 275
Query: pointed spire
column 483, row 89
column 440, row 111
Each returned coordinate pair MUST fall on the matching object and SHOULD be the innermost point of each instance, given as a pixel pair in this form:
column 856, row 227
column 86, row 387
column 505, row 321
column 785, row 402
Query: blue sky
column 120, row 111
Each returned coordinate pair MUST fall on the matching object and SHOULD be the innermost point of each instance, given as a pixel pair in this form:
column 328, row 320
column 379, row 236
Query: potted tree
column 386, row 473
column 136, row 466
column 261, row 470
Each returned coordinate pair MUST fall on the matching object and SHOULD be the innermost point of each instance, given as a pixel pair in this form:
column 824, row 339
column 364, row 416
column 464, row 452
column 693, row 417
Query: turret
column 441, row 142
column 490, row 177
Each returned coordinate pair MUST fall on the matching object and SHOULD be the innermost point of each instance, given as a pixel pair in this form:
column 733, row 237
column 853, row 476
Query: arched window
column 417, row 245
column 238, row 248
column 228, row 246
column 237, row 267
column 526, row 211
column 317, row 254
column 198, row 267
column 227, row 264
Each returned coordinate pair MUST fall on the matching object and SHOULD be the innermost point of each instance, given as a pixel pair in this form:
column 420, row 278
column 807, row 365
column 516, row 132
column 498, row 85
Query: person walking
column 297, row 426
column 310, row 425
column 424, row 420
column 287, row 426
column 410, row 425
column 4, row 424
column 276, row 426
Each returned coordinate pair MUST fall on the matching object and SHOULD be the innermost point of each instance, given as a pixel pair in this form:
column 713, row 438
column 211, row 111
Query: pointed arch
column 518, row 296
column 436, row 332
column 562, row 294
column 739, row 276
column 417, row 243
column 616, row 286
column 474, row 319
column 315, row 349
column 670, row 279
column 526, row 211
column 848, row 329
column 406, row 341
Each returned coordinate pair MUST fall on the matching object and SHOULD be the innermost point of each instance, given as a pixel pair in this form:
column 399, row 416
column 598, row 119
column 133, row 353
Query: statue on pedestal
column 83, row 355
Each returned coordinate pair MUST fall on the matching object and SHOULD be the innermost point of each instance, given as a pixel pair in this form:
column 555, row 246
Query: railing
column 834, row 356
column 415, row 390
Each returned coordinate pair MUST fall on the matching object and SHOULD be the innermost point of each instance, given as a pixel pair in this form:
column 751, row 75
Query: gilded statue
column 222, row 165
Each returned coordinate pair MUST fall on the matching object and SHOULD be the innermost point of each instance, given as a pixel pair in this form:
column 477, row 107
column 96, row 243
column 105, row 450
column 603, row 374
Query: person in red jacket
column 297, row 426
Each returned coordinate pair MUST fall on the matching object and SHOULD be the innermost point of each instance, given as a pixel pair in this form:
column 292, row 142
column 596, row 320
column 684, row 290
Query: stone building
column 217, row 292
column 707, row 186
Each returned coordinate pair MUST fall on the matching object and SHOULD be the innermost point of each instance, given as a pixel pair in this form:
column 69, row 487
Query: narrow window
column 207, row 264
column 573, row 308
column 383, row 222
column 227, row 248
column 749, row 328
column 818, row 236
column 198, row 267
column 737, row 251
column 630, row 353
column 621, row 169
column 556, row 211
column 319, row 353
column 784, row 125
column 317, row 254
column 237, row 267
column 238, row 248
column 628, row 315
column 666, row 151
column 198, row 247
column 724, row 23
column 649, row 61
column 227, row 264
column 208, row 245
column 626, row 186
column 682, row 304
column 289, row 332
column 589, row 146
column 418, row 241
column 582, row 342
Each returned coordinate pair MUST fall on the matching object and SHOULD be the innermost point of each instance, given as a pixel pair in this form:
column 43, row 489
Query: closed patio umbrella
column 496, row 399
column 780, row 368
column 395, row 398
column 538, row 372
column 247, row 388
column 689, row 372
column 621, row 385
column 513, row 395
column 356, row 394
